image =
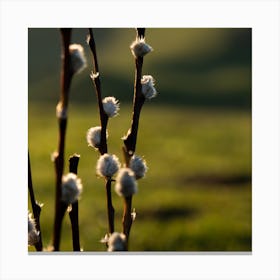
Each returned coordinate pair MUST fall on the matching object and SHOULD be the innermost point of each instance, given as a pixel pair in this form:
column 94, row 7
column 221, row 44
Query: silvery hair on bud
column 140, row 48
column 126, row 184
column 71, row 188
column 111, row 106
column 148, row 89
column 94, row 136
column 138, row 166
column 107, row 165
column 33, row 234
column 117, row 242
column 78, row 58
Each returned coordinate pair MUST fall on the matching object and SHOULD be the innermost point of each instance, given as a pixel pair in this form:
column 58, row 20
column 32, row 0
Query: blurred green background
column 195, row 136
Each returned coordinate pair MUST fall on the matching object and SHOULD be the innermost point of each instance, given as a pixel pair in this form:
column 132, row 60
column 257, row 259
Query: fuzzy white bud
column 116, row 242
column 71, row 188
column 126, row 184
column 138, row 166
column 77, row 57
column 111, row 106
column 33, row 234
column 148, row 89
column 107, row 165
column 94, row 136
column 139, row 47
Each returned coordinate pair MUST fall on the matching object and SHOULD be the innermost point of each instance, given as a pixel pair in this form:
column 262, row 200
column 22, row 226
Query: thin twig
column 104, row 121
column 110, row 208
column 96, row 80
column 66, row 77
column 141, row 32
column 74, row 213
column 36, row 208
column 131, row 138
column 127, row 218
column 138, row 100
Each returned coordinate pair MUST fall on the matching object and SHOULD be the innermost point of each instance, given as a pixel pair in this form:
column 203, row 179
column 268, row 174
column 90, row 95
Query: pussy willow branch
column 131, row 138
column 74, row 213
column 36, row 208
column 104, row 121
column 138, row 100
column 103, row 116
column 66, row 78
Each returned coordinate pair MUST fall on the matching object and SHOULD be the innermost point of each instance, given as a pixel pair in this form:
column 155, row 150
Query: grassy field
column 196, row 195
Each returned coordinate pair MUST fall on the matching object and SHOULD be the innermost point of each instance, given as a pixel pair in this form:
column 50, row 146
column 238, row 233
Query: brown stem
column 104, row 121
column 131, row 138
column 74, row 213
column 74, row 218
column 138, row 100
column 127, row 218
column 110, row 208
column 58, row 225
column 36, row 208
column 59, row 166
column 73, row 163
column 96, row 80
column 67, row 72
column 66, row 77
column 141, row 32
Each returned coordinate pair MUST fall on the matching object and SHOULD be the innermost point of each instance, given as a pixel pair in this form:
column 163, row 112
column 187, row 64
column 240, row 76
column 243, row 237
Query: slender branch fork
column 131, row 138
column 138, row 101
column 66, row 78
column 36, row 208
column 104, row 121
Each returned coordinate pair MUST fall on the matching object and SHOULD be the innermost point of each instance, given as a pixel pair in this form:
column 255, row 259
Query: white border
column 262, row 16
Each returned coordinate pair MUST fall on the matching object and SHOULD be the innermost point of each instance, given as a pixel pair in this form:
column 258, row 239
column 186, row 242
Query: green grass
column 197, row 192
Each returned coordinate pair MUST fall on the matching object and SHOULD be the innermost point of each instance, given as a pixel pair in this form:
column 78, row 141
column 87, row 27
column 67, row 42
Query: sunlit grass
column 197, row 192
